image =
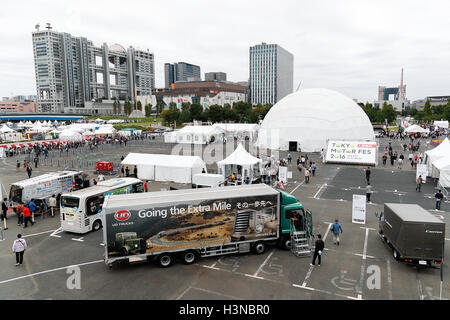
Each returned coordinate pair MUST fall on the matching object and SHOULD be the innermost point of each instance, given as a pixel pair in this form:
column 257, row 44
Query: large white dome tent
column 306, row 119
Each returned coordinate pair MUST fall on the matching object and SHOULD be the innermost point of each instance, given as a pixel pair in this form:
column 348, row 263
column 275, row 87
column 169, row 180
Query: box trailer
column 414, row 234
column 193, row 223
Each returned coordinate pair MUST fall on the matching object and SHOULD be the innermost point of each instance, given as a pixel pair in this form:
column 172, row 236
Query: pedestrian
column 318, row 250
column 52, row 204
column 336, row 228
column 4, row 213
column 313, row 168
column 368, row 192
column 19, row 247
column 384, row 159
column 135, row 171
column 36, row 160
column 307, row 174
column 95, row 182
column 19, row 213
column 32, row 207
column 122, row 170
column 289, row 158
column 299, row 166
column 27, row 216
column 101, row 177
column 127, row 172
column 400, row 163
column 439, row 196
column 145, row 186
column 419, row 181
column 17, row 165
column 29, row 170
column 368, row 175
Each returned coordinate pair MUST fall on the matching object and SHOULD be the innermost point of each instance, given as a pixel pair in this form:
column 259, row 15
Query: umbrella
column 21, row 145
column 13, row 146
column 30, row 144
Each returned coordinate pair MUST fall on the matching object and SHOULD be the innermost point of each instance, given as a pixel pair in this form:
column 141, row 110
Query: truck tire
column 259, row 247
column 97, row 225
column 396, row 254
column 286, row 243
column 189, row 257
column 165, row 260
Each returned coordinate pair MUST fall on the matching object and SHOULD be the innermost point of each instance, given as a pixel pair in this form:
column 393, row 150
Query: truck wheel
column 189, row 257
column 165, row 260
column 259, row 247
column 396, row 254
column 97, row 225
column 286, row 244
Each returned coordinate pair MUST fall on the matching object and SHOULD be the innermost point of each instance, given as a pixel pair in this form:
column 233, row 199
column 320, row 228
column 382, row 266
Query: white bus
column 44, row 186
column 81, row 210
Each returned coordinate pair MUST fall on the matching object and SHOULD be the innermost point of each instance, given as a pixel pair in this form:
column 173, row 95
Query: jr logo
column 123, row 215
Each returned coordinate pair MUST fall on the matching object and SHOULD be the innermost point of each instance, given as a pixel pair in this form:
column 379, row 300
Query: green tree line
column 430, row 113
column 377, row 114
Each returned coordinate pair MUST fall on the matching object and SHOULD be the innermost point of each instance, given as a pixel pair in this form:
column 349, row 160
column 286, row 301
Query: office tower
column 180, row 72
column 215, row 76
column 271, row 73
column 71, row 70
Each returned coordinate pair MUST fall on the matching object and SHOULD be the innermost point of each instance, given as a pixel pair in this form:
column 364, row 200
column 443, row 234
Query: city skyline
column 352, row 48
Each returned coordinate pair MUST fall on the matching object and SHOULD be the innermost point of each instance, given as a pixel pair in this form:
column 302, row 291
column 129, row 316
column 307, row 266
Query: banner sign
column 360, row 152
column 282, row 174
column 359, row 209
column 422, row 170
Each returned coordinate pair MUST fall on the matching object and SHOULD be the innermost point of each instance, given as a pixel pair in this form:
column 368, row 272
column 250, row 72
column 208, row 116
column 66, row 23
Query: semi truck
column 413, row 234
column 192, row 223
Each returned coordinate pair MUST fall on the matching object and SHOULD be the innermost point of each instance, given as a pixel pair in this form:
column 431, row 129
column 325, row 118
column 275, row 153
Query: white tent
column 105, row 130
column 441, row 151
column 441, row 124
column 68, row 135
column 239, row 130
column 251, row 166
column 37, row 127
column 5, row 129
column 162, row 167
column 306, row 119
column 170, row 137
column 441, row 168
column 416, row 129
column 198, row 134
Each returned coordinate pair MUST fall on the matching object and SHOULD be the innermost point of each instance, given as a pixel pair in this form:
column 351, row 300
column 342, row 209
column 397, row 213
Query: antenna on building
column 49, row 26
column 37, row 26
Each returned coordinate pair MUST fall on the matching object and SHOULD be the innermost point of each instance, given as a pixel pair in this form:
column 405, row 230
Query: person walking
column 289, row 158
column 29, row 170
column 336, row 228
column 19, row 213
column 122, row 170
column 135, row 171
column 400, row 163
column 368, row 192
column 319, row 246
column 17, row 165
column 32, row 207
column 384, row 159
column 127, row 172
column 307, row 174
column 19, row 246
column 439, row 196
column 368, row 172
column 52, row 205
column 27, row 217
column 313, row 168
column 36, row 160
column 4, row 211
column 419, row 181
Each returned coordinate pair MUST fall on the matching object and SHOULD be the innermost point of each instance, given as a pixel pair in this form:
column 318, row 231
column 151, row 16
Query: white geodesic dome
column 310, row 117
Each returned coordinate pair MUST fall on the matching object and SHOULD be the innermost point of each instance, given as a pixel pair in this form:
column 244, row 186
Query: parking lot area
column 360, row 268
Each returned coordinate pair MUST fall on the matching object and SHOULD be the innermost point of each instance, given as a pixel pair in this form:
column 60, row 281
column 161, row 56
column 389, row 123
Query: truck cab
column 293, row 218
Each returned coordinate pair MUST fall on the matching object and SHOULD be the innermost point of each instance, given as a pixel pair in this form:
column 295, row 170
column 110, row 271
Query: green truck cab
column 127, row 243
column 293, row 217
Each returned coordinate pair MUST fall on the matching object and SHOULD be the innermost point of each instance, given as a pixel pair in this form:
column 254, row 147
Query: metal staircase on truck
column 301, row 244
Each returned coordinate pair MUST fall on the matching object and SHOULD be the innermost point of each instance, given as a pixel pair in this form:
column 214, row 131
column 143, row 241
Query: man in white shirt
column 19, row 247
column 52, row 204
column 101, row 177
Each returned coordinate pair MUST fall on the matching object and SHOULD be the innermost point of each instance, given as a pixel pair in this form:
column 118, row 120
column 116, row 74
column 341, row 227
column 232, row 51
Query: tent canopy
column 241, row 157
column 416, row 129
column 5, row 129
column 441, row 151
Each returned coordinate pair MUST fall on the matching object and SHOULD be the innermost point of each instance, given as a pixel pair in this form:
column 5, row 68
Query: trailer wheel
column 165, row 260
column 259, row 247
column 96, row 225
column 189, row 257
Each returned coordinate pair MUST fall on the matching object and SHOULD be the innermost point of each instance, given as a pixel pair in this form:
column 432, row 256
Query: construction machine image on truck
column 192, row 223
column 414, row 235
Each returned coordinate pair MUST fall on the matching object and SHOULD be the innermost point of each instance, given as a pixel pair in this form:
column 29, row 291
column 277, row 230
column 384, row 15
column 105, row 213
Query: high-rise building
column 215, row 76
column 271, row 73
column 180, row 72
column 71, row 71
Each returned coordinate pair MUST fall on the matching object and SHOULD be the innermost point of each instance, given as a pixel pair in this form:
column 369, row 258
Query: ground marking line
column 263, row 264
column 297, row 187
column 320, row 189
column 183, row 293
column 52, row 270
column 54, row 234
column 36, row 234
column 328, row 230
column 307, row 276
column 80, row 239
column 389, row 278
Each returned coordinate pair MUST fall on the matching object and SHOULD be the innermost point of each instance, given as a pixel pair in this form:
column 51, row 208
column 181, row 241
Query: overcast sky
column 351, row 46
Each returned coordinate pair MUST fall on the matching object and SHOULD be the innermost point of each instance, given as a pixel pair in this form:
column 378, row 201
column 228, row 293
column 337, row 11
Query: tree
column 195, row 111
column 447, row 112
column 115, row 107
column 119, row 107
column 388, row 112
column 427, row 108
column 215, row 113
column 139, row 105
column 242, row 110
column 148, row 110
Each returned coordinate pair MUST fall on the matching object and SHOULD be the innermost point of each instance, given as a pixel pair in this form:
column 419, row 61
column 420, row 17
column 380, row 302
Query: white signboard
column 361, row 152
column 2, row 152
column 282, row 174
column 422, row 170
column 359, row 209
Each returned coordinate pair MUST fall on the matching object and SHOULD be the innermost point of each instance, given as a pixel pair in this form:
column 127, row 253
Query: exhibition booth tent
column 441, row 169
column 441, row 151
column 441, row 124
column 240, row 157
column 161, row 167
column 416, row 129
column 6, row 129
column 68, row 135
column 198, row 134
